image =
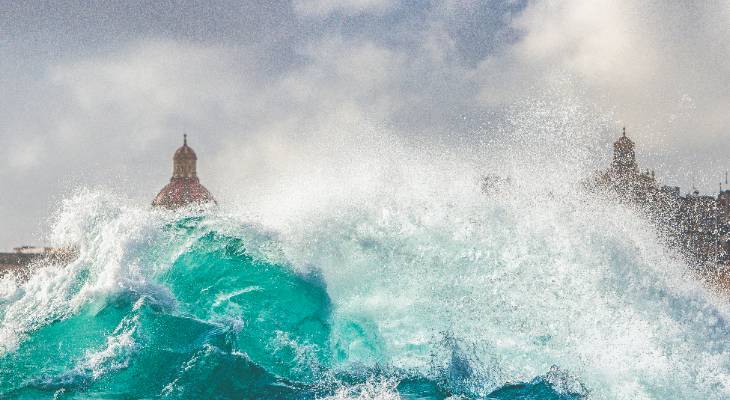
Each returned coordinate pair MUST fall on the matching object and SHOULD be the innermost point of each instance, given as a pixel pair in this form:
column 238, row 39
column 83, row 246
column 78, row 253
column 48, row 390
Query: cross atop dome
column 184, row 187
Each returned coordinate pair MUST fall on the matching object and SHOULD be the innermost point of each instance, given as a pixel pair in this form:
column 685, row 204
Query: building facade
column 698, row 225
column 21, row 259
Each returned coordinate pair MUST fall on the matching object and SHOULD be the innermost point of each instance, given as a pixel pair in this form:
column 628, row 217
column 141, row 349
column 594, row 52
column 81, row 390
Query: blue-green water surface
column 218, row 323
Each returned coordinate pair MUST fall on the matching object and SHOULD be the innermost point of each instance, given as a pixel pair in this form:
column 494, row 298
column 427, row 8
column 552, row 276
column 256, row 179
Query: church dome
column 181, row 192
column 184, row 151
column 184, row 187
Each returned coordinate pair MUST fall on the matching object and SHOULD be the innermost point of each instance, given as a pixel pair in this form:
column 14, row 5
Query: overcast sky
column 99, row 96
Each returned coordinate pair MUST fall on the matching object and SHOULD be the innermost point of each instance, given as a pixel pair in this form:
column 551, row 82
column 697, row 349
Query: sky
column 273, row 93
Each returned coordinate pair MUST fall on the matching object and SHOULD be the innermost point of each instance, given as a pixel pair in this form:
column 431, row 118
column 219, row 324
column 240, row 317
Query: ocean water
column 521, row 294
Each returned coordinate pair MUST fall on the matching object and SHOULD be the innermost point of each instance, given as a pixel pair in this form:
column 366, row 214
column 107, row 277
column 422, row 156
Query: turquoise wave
column 217, row 321
column 526, row 296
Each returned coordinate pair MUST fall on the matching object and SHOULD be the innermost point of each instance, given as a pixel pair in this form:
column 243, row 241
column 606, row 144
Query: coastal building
column 23, row 257
column 624, row 177
column 698, row 225
column 184, row 187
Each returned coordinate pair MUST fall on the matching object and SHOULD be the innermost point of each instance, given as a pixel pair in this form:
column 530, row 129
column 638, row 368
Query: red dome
column 181, row 192
column 184, row 187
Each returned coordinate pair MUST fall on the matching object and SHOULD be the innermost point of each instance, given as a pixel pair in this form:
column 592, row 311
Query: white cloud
column 597, row 40
column 654, row 66
column 328, row 110
column 323, row 8
column 24, row 153
column 294, row 136
column 143, row 92
column 114, row 119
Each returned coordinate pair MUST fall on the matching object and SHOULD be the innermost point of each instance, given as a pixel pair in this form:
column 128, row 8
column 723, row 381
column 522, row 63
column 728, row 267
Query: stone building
column 184, row 187
column 23, row 257
column 623, row 175
column 698, row 225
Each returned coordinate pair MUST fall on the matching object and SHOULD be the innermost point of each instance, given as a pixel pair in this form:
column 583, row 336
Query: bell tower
column 624, row 157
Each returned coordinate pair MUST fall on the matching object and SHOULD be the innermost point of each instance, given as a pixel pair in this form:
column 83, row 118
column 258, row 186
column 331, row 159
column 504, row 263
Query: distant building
column 698, row 225
column 624, row 177
column 23, row 257
column 184, row 187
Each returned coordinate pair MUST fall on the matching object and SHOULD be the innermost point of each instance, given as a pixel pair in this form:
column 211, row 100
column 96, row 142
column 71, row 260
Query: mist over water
column 379, row 272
